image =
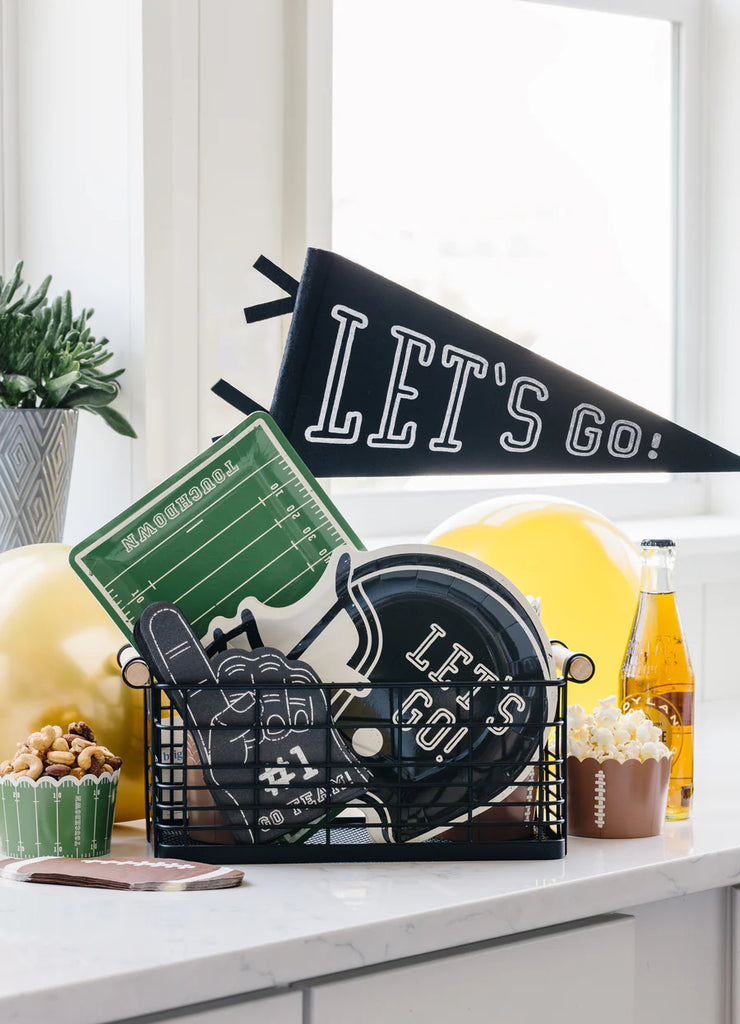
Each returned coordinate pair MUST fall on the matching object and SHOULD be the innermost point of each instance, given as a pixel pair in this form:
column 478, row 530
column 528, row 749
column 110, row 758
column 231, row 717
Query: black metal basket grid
column 197, row 805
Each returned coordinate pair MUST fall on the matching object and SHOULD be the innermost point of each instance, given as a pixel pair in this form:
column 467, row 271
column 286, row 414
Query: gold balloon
column 58, row 664
column 585, row 570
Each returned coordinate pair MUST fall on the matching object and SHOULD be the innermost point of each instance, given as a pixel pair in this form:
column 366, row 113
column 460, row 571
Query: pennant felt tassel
column 378, row 381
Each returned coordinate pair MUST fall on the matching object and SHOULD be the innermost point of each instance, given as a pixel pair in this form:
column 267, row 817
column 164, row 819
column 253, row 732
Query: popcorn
column 632, row 719
column 601, row 737
column 577, row 748
column 645, row 732
column 607, row 716
column 651, row 749
column 576, row 716
column 608, row 734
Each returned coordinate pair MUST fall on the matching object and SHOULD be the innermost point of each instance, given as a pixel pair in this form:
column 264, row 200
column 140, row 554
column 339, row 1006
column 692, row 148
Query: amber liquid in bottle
column 657, row 675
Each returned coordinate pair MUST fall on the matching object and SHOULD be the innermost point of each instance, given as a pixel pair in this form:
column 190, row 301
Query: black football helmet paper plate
column 443, row 666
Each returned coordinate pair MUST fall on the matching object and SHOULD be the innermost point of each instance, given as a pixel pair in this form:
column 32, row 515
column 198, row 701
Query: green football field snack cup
column 50, row 818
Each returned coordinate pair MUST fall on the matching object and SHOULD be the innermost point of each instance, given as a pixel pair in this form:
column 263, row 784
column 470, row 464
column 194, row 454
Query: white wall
column 722, row 235
column 240, row 84
column 146, row 176
column 74, row 213
column 212, row 183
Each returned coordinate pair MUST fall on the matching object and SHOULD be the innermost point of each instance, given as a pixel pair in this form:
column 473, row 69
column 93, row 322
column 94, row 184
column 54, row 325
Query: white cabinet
column 673, row 960
column 735, row 962
column 526, row 979
column 281, row 1009
column 681, row 966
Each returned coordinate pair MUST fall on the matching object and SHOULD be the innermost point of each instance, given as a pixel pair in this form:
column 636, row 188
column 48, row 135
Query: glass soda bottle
column 656, row 672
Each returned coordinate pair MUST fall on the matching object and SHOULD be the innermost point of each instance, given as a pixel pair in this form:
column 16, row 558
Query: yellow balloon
column 583, row 567
column 58, row 664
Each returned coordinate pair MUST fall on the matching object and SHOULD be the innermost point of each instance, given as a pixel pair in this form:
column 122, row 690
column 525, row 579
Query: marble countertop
column 113, row 955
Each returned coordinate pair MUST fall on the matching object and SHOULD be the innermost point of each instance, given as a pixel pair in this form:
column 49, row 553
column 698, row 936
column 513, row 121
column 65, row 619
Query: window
column 226, row 114
column 514, row 162
column 526, row 164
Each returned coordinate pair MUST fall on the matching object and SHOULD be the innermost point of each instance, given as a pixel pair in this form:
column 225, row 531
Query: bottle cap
column 662, row 543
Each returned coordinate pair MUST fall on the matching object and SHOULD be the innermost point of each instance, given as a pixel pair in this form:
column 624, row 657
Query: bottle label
column 672, row 712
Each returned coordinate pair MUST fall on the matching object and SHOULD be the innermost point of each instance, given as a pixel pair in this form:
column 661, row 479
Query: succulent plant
column 49, row 359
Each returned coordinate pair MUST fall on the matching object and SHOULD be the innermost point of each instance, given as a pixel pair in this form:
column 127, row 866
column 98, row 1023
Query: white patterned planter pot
column 36, row 453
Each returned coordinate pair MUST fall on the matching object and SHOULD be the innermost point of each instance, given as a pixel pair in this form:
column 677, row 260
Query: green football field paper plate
column 244, row 518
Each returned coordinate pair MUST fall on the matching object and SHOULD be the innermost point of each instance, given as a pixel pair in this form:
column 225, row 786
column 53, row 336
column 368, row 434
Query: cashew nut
column 60, row 757
column 60, row 744
column 85, row 756
column 31, row 762
column 42, row 739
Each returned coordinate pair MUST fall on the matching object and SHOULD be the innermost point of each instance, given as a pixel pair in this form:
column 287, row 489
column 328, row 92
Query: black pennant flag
column 379, row 381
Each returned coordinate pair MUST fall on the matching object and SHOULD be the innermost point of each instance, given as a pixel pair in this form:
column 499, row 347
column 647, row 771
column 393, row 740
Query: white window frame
column 308, row 144
column 231, row 157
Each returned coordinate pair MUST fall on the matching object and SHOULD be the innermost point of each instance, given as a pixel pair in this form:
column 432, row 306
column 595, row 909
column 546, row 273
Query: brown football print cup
column 609, row 800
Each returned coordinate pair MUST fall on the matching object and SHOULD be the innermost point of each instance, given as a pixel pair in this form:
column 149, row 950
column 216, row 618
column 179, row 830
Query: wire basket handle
column 134, row 670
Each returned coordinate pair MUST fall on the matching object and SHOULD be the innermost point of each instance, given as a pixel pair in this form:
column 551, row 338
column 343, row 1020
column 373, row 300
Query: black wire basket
column 288, row 774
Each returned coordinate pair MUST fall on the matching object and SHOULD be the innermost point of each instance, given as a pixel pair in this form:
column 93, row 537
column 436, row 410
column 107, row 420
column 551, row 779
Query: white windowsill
column 708, row 546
